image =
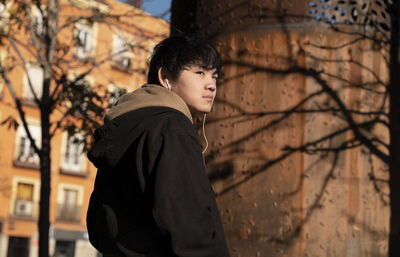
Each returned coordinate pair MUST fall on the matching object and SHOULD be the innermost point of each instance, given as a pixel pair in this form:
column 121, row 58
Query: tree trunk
column 50, row 39
column 45, row 172
column 44, row 223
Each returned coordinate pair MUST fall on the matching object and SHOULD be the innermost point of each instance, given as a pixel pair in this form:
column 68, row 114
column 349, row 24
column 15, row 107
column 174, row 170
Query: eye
column 215, row 77
column 200, row 72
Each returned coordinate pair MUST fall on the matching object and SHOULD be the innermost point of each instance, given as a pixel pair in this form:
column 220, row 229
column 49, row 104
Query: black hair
column 177, row 52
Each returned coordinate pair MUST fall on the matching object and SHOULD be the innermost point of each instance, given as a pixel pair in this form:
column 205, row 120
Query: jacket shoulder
column 161, row 119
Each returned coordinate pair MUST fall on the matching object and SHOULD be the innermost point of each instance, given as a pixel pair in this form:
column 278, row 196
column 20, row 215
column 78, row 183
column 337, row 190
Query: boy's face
column 197, row 87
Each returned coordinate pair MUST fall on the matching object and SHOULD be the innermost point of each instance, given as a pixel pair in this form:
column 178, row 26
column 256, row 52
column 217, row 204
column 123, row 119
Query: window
column 35, row 76
column 38, row 22
column 115, row 93
column 69, row 203
column 73, row 156
column 83, row 41
column 4, row 16
column 122, row 53
column 2, row 9
column 24, row 200
column 80, row 95
column 26, row 155
column 24, row 197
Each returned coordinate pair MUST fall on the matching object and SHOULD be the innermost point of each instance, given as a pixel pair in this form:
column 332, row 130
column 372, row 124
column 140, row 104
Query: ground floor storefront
column 62, row 243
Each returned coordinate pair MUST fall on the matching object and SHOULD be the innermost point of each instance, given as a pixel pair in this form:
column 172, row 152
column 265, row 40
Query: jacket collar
column 149, row 95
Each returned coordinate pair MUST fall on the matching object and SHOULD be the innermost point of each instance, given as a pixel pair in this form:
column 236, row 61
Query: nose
column 211, row 84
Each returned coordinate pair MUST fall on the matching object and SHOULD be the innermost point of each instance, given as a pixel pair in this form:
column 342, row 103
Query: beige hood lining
column 149, row 95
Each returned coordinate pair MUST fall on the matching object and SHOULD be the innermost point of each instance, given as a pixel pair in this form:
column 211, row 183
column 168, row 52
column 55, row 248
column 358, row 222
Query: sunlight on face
column 197, row 87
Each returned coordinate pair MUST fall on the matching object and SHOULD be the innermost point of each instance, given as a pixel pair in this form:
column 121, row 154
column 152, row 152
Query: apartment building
column 122, row 46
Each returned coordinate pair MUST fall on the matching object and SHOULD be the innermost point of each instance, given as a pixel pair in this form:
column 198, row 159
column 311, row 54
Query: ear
column 161, row 79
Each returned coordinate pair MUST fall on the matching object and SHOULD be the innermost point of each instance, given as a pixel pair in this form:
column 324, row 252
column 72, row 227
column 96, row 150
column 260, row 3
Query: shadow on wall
column 299, row 135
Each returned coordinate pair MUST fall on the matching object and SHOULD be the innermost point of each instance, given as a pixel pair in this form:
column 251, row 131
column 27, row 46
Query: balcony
column 69, row 213
column 29, row 162
column 73, row 169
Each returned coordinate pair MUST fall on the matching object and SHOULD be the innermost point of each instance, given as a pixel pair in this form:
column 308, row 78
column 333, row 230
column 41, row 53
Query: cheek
column 188, row 98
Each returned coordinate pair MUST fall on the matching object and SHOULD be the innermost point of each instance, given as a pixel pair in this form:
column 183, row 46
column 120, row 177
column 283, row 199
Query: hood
column 148, row 96
column 113, row 139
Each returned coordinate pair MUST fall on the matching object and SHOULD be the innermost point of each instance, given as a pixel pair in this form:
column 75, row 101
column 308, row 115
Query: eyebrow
column 186, row 67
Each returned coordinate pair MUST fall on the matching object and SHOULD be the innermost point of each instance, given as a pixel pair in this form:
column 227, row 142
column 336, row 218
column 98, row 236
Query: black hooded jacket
column 152, row 196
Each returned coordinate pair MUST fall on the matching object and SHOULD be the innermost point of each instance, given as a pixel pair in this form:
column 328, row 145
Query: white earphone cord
column 204, row 134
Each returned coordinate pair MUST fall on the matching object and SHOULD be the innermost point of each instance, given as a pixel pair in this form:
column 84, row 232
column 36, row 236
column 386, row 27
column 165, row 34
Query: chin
column 206, row 110
column 202, row 110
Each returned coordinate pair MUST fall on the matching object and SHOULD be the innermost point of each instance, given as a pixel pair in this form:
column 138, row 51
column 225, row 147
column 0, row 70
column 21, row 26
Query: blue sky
column 157, row 7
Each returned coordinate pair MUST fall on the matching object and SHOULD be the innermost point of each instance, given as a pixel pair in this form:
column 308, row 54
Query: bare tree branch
column 20, row 110
column 36, row 98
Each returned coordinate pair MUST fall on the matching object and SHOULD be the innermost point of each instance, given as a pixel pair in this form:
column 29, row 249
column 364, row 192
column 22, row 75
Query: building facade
column 117, row 52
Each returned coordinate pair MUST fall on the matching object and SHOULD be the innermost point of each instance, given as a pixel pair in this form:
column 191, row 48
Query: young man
column 152, row 196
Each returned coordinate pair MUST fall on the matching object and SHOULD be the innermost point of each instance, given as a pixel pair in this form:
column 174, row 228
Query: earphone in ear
column 169, row 86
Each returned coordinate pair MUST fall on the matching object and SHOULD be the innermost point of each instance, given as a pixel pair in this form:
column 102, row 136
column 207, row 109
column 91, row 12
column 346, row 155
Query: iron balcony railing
column 71, row 213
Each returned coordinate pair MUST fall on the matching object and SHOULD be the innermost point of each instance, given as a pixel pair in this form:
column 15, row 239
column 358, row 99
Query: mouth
column 209, row 97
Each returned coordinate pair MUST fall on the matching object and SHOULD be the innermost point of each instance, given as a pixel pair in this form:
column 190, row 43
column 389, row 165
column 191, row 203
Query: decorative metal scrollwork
column 373, row 13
